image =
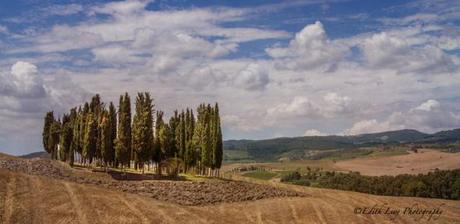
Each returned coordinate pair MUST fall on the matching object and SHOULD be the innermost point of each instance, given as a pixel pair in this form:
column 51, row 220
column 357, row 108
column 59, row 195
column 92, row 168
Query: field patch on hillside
column 260, row 174
column 423, row 161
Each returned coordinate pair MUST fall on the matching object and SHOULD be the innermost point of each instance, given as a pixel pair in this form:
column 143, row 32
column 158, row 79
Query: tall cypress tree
column 218, row 146
column 191, row 155
column 75, row 146
column 112, row 116
column 96, row 106
column 143, row 129
column 106, row 138
column 173, row 124
column 123, row 142
column 49, row 119
column 90, row 138
column 158, row 154
column 53, row 140
column 65, row 137
column 180, row 137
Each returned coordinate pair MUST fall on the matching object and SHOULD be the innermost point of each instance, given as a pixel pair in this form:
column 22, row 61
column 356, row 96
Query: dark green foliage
column 94, row 133
column 158, row 154
column 90, row 138
column 290, row 177
column 218, row 148
column 112, row 119
column 49, row 119
column 190, row 156
column 123, row 141
column 106, row 138
column 438, row 184
column 65, row 138
column 142, row 131
column 53, row 138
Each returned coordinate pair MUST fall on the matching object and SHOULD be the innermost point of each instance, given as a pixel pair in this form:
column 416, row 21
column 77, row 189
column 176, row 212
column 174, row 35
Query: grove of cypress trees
column 94, row 132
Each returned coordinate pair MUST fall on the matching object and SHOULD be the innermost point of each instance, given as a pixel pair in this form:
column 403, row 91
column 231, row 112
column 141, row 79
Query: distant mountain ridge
column 272, row 149
column 41, row 154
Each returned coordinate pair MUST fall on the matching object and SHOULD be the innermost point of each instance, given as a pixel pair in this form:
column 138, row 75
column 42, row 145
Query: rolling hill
column 33, row 197
column 295, row 147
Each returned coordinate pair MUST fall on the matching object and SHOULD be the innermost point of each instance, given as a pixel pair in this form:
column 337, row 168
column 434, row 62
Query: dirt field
column 414, row 163
column 35, row 199
column 204, row 192
column 28, row 198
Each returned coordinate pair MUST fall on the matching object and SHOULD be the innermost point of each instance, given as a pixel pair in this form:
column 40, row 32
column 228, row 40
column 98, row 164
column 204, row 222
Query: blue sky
column 277, row 68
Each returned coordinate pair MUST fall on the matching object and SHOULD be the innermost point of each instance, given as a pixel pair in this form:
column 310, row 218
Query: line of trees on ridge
column 93, row 134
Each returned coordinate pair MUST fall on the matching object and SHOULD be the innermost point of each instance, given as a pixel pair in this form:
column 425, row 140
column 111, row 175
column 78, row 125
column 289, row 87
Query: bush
column 291, row 177
column 438, row 184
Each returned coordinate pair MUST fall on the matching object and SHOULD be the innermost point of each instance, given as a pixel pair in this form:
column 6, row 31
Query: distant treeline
column 94, row 134
column 438, row 184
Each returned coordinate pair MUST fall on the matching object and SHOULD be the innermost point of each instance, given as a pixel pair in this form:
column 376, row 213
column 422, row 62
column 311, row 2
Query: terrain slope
column 38, row 198
column 413, row 163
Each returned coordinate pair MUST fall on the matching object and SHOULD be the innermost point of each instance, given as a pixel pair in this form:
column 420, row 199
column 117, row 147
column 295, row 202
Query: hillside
column 273, row 149
column 40, row 199
column 41, row 154
column 414, row 163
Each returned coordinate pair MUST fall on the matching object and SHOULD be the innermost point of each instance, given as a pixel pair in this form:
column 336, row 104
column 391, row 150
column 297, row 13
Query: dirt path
column 76, row 205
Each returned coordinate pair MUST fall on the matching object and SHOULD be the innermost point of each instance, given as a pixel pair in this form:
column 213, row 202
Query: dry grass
column 36, row 199
column 414, row 163
column 32, row 199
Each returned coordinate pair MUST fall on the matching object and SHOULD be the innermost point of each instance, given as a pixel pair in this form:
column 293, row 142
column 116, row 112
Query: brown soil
column 26, row 198
column 181, row 192
column 414, row 163
column 36, row 199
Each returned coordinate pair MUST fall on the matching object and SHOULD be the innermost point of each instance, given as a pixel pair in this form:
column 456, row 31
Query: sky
column 276, row 68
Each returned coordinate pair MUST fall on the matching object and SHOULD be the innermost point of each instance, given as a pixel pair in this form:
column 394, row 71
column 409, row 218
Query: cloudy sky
column 277, row 68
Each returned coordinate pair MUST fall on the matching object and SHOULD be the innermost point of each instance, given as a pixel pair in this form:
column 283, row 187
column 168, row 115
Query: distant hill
column 295, row 147
column 42, row 154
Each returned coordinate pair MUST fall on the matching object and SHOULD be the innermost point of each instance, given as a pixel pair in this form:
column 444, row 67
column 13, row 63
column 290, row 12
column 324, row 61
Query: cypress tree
column 218, row 146
column 112, row 116
column 180, row 137
column 96, row 108
column 206, row 142
column 90, row 138
column 65, row 138
column 158, row 154
column 173, row 124
column 143, row 129
column 49, row 119
column 123, row 142
column 189, row 130
column 105, row 136
column 53, row 140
